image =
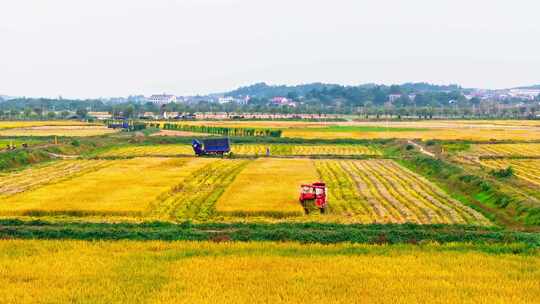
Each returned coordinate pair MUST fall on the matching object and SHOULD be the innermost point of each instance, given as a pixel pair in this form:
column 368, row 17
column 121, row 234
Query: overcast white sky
column 81, row 48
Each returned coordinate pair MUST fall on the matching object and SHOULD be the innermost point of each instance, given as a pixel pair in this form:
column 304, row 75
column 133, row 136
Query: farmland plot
column 268, row 187
column 16, row 182
column 275, row 150
column 381, row 191
column 262, row 272
column 153, row 150
column 521, row 150
column 527, row 169
column 126, row 187
column 41, row 123
column 196, row 196
column 301, row 150
column 76, row 131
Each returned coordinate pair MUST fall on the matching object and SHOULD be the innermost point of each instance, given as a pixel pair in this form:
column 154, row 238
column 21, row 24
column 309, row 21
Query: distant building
column 100, row 115
column 162, row 99
column 244, row 101
column 529, row 94
column 237, row 100
column 227, row 99
column 394, row 97
column 282, row 101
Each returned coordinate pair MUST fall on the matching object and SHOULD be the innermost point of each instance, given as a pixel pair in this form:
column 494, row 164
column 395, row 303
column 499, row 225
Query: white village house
column 161, row 99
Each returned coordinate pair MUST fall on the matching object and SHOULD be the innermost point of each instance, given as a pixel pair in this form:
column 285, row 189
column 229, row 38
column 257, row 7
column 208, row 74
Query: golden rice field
column 481, row 130
column 67, row 130
column 360, row 191
column 442, row 134
column 41, row 123
column 523, row 150
column 125, row 187
column 268, row 187
column 195, row 196
column 301, row 150
column 250, row 149
column 526, row 169
column 43, row 271
column 39, row 175
column 442, row 124
column 381, row 191
column 153, row 150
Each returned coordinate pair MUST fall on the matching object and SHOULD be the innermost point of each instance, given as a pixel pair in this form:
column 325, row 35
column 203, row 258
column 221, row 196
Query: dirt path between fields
column 421, row 148
column 62, row 156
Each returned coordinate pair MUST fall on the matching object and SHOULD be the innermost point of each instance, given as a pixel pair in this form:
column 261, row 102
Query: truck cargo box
column 211, row 146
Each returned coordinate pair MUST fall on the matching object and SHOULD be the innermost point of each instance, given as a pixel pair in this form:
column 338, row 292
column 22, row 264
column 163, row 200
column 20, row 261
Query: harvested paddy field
column 482, row 130
column 506, row 150
column 305, row 150
column 201, row 272
column 125, row 187
column 150, row 150
column 41, row 123
column 250, row 150
column 203, row 189
column 424, row 134
column 381, row 191
column 360, row 191
column 76, row 131
column 195, row 197
column 39, row 175
column 526, row 169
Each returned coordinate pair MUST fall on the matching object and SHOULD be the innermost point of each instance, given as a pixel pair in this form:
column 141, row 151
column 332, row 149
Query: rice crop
column 441, row 134
column 507, row 150
column 76, row 131
column 24, row 180
column 381, row 191
column 263, row 272
column 526, row 169
column 268, row 187
column 126, row 187
column 195, row 197
column 249, row 149
column 305, row 150
column 6, row 124
column 150, row 150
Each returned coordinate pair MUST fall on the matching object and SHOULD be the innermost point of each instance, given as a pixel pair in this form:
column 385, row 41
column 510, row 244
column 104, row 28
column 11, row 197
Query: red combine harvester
column 315, row 192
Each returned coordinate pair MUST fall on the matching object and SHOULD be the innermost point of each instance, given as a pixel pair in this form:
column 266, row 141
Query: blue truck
column 208, row 146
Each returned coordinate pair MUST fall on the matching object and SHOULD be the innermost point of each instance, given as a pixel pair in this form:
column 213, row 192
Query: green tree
column 13, row 113
column 129, row 111
column 82, row 112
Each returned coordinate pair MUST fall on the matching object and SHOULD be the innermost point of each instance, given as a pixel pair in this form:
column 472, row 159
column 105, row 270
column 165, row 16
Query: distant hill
column 263, row 90
column 427, row 87
column 532, row 87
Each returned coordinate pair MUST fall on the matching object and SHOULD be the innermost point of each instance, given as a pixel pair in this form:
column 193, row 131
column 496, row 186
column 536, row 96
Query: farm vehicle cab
column 314, row 193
